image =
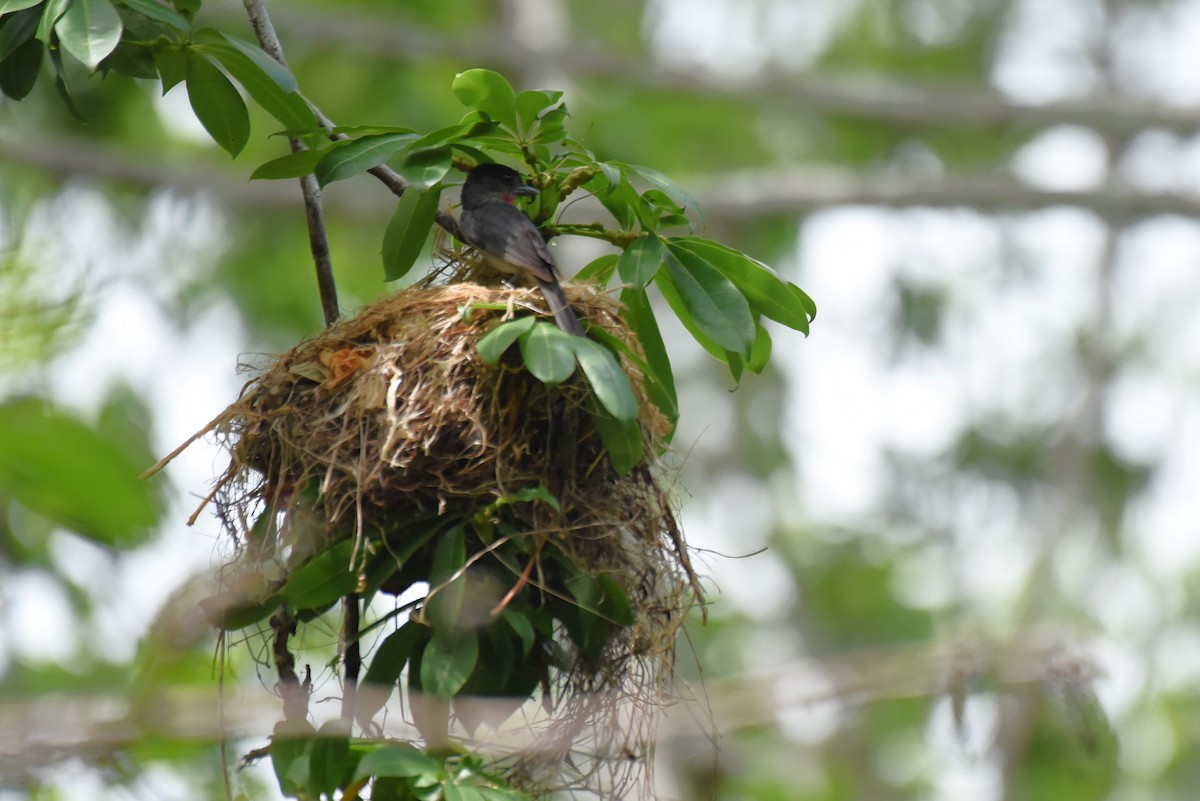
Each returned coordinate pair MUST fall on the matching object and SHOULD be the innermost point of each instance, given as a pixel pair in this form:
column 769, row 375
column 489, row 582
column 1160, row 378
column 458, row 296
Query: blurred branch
column 732, row 196
column 51, row 729
column 780, row 191
column 872, row 98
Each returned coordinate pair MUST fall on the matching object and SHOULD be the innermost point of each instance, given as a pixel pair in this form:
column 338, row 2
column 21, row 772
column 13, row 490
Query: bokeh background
column 951, row 537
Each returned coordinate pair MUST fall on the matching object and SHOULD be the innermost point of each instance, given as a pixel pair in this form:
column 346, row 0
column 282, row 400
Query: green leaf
column 612, row 174
column 386, row 664
column 590, row 629
column 172, row 67
column 671, row 295
column 293, row 165
column 411, row 537
column 460, row 792
column 760, row 351
column 322, row 579
column 640, row 261
column 443, row 136
column 447, row 662
column 19, row 72
column 520, row 624
column 290, row 758
column 767, row 293
column 157, row 12
column 407, row 231
column 359, row 155
column 9, row 6
column 671, row 189
column 398, row 761
column 51, row 13
column 271, row 85
column 538, row 114
column 217, row 104
column 232, row 610
column 531, row 103
column 492, row 346
column 549, row 353
column 531, row 494
column 599, row 270
column 60, row 468
column 616, row 194
column 18, row 29
column 660, row 379
column 60, row 83
column 622, row 440
column 609, row 382
column 279, row 74
column 447, row 584
column 359, row 131
column 330, row 763
column 488, row 92
column 424, row 168
column 614, row 601
column 712, row 302
column 89, row 30
column 501, row 794
column 809, row 305
column 132, row 60
column 187, row 8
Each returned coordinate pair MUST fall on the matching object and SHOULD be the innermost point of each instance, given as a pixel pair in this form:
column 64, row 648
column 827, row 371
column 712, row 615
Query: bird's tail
column 564, row 315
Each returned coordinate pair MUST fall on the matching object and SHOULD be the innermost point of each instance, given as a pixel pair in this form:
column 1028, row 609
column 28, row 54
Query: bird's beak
column 526, row 191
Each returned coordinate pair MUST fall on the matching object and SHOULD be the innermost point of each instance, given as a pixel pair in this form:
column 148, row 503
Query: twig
column 314, row 215
column 522, row 580
column 294, row 694
column 393, row 180
column 163, row 462
column 352, row 654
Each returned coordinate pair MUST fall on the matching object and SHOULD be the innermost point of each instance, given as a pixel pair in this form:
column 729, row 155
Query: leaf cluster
column 449, row 653
column 317, row 763
column 720, row 295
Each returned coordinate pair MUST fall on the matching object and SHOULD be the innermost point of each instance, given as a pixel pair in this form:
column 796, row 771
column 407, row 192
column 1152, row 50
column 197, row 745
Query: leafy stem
column 621, row 239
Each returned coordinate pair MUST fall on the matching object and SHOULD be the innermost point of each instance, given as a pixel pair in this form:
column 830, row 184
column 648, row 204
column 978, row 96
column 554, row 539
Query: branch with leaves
column 721, row 296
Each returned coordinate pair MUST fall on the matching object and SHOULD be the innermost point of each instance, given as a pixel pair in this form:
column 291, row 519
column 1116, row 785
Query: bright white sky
column 846, row 400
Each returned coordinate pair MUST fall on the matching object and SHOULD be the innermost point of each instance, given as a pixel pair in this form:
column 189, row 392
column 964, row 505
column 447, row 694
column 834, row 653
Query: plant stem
column 314, row 214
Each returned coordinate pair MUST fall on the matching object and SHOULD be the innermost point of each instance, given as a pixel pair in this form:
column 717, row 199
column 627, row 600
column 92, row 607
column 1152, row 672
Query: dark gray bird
column 507, row 238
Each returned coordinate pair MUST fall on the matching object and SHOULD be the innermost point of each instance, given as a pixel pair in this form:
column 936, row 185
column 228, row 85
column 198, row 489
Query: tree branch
column 314, row 215
column 351, row 654
column 754, row 194
column 732, row 197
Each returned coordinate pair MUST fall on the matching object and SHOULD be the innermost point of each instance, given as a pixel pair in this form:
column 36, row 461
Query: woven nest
column 392, row 417
column 396, row 416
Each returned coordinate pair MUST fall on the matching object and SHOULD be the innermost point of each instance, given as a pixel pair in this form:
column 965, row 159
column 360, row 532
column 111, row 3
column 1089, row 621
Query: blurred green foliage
column 61, row 468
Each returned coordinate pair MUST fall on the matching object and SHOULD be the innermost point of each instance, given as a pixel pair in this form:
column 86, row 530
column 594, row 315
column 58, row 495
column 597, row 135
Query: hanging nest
column 385, row 431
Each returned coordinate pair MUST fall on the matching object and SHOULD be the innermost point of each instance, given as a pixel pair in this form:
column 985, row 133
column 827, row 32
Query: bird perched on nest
column 507, row 238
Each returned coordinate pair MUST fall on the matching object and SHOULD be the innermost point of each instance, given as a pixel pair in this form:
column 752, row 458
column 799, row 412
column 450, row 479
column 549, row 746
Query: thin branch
column 33, row 733
column 293, row 692
column 393, row 180
column 314, row 215
column 351, row 653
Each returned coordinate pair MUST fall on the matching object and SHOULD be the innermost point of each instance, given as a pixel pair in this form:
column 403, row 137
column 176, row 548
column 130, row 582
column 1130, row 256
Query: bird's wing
column 524, row 246
column 528, row 250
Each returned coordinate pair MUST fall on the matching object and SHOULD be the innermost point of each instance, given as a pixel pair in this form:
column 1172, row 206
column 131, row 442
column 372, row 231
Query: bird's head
column 490, row 182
